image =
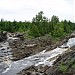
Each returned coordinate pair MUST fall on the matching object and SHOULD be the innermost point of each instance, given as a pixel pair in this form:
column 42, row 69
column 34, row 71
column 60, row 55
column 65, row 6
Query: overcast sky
column 22, row 10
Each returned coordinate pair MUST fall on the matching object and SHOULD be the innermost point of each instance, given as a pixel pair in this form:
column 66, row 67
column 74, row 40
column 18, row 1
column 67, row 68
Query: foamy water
column 42, row 58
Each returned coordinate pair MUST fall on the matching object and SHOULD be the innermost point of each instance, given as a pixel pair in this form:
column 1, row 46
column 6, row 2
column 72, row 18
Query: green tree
column 41, row 22
column 58, row 30
column 34, row 31
column 66, row 27
column 2, row 24
column 39, row 17
column 71, row 25
column 54, row 21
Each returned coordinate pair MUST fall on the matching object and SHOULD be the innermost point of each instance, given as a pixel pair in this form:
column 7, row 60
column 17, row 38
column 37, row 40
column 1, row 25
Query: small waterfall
column 69, row 44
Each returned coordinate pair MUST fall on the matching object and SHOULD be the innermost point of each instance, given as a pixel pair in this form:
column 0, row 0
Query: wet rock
column 73, row 48
column 41, row 69
column 64, row 65
column 20, row 35
column 34, row 70
column 58, row 59
column 25, row 48
column 3, row 49
column 4, row 33
column 3, row 36
column 3, row 67
column 72, row 35
column 1, row 59
column 31, row 45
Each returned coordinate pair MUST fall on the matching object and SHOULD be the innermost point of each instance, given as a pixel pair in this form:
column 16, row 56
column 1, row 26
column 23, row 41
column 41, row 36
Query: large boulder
column 3, row 35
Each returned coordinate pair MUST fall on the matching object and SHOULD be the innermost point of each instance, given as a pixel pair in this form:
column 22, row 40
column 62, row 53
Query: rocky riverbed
column 64, row 65
column 23, row 51
column 24, row 48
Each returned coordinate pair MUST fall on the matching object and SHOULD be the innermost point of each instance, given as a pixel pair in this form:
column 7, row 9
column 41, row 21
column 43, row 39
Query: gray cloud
column 27, row 9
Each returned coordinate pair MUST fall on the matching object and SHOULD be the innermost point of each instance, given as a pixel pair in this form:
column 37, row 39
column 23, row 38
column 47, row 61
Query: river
column 43, row 58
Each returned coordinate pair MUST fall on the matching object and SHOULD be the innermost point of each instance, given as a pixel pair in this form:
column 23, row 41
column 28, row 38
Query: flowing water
column 43, row 58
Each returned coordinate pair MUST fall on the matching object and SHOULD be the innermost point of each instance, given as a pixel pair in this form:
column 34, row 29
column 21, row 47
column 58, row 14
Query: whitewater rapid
column 42, row 58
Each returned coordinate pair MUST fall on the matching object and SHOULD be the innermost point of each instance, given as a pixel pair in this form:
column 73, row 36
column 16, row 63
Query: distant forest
column 39, row 26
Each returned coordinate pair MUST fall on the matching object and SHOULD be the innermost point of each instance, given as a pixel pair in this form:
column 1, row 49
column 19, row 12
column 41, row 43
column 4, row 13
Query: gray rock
column 3, row 36
column 20, row 35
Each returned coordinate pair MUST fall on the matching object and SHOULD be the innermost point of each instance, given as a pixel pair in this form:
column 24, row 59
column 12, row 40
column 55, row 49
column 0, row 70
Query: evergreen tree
column 66, row 27
column 34, row 31
column 54, row 21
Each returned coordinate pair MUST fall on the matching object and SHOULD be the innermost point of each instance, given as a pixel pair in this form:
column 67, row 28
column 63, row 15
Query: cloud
column 27, row 9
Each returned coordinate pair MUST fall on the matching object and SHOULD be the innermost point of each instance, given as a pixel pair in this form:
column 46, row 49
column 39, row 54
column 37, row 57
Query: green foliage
column 58, row 30
column 39, row 17
column 34, row 31
column 66, row 26
column 40, row 26
column 54, row 21
column 42, row 23
column 73, row 66
column 63, row 68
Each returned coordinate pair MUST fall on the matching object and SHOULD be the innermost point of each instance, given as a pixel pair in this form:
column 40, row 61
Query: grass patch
column 63, row 68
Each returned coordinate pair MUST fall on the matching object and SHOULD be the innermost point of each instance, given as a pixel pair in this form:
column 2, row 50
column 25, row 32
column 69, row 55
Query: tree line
column 39, row 26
